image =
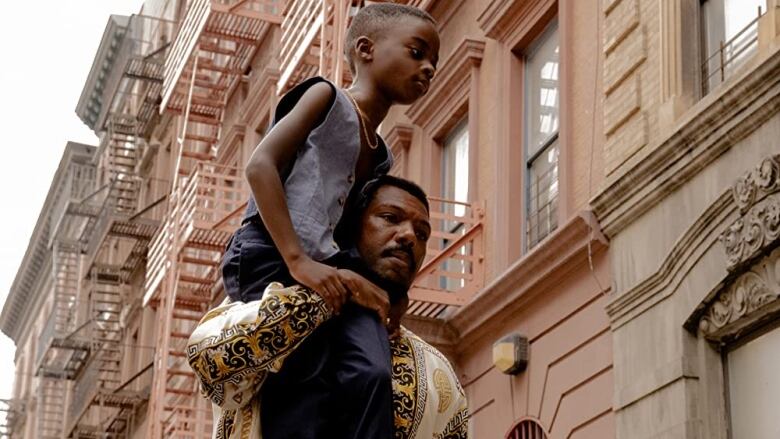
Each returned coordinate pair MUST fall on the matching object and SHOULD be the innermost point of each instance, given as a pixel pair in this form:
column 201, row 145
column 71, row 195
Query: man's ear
column 364, row 49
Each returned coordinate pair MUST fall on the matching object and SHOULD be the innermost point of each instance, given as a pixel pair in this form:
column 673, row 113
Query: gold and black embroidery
column 443, row 389
column 250, row 350
column 226, row 424
column 404, row 387
column 457, row 427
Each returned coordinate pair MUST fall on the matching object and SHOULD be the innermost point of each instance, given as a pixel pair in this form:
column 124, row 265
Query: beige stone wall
column 672, row 157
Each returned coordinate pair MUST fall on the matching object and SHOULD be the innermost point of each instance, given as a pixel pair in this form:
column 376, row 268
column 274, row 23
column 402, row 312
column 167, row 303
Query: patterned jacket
column 237, row 345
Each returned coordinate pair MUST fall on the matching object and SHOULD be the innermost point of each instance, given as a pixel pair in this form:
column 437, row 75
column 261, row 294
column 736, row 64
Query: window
column 754, row 386
column 729, row 37
column 455, row 188
column 541, row 140
column 455, row 166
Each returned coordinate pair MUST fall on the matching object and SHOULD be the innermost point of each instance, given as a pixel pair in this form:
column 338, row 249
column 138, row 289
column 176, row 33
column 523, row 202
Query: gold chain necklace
column 363, row 122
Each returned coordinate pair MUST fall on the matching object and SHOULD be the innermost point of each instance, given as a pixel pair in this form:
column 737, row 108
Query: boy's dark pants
column 337, row 383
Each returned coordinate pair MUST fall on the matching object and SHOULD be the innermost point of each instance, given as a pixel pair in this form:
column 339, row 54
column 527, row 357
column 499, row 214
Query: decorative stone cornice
column 755, row 185
column 757, row 230
column 399, row 138
column 28, row 289
column 507, row 21
column 528, row 277
column 746, row 301
column 715, row 124
column 755, row 193
column 450, row 88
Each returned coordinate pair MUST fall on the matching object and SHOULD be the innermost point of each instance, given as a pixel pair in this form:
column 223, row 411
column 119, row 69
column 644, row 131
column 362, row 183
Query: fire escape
column 215, row 42
column 62, row 350
column 106, row 395
column 15, row 415
column 313, row 33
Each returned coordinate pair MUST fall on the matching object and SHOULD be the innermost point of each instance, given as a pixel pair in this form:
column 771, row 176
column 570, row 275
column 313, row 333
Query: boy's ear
column 364, row 48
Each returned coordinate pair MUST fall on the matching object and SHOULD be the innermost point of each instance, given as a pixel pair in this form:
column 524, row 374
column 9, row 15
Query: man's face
column 394, row 232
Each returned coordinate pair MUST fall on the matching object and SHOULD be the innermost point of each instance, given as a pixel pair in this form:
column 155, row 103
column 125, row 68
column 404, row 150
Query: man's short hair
column 352, row 223
column 369, row 191
column 373, row 20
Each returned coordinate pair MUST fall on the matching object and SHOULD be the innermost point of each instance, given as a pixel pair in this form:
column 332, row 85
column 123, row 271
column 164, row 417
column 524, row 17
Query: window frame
column 551, row 27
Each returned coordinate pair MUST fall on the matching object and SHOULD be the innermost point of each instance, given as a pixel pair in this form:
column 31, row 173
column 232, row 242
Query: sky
column 47, row 48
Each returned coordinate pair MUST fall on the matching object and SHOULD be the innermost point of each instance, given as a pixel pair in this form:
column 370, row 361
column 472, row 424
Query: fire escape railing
column 454, row 267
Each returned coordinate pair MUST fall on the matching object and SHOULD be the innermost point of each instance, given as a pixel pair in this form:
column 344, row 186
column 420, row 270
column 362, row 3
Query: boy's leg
column 361, row 367
column 296, row 403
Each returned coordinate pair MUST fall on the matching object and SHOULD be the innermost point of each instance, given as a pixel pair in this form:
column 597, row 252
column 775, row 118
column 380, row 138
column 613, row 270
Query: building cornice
column 529, row 277
column 399, row 138
column 688, row 249
column 715, row 124
column 515, row 21
column 450, row 88
column 26, row 287
column 93, row 94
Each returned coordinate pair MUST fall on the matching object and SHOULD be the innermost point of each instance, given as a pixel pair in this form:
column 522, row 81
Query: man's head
column 393, row 230
column 397, row 46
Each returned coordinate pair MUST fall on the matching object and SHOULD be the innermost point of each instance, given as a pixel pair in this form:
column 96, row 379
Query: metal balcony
column 62, row 347
column 454, row 267
column 222, row 36
column 15, row 415
column 313, row 34
column 204, row 207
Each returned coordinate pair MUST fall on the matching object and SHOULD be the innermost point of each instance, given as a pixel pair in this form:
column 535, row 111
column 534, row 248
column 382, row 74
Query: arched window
column 527, row 429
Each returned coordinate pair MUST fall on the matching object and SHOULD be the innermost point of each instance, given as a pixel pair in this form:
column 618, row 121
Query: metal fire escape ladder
column 98, row 401
column 215, row 42
column 313, row 34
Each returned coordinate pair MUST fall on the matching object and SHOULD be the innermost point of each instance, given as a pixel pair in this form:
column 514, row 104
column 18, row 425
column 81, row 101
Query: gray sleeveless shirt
column 323, row 173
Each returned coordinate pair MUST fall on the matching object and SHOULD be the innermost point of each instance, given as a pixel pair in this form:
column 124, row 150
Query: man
column 239, row 348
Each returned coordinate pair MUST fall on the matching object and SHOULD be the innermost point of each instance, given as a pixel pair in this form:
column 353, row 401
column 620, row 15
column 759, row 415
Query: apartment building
column 690, row 207
column 511, row 143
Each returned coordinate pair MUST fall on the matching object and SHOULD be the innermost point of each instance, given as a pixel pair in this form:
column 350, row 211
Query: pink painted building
column 508, row 143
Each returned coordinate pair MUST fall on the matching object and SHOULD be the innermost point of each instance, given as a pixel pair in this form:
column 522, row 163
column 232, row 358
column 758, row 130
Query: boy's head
column 397, row 46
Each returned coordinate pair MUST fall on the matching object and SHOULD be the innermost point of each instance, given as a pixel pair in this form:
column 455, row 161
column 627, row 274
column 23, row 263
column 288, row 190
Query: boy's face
column 404, row 59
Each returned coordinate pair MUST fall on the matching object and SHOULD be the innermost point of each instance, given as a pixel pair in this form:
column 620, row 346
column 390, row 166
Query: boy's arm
column 274, row 154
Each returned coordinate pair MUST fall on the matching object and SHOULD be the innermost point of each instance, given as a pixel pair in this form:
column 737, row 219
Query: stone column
column 680, row 67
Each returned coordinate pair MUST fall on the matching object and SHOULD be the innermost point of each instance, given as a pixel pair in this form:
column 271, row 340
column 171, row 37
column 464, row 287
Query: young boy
column 304, row 176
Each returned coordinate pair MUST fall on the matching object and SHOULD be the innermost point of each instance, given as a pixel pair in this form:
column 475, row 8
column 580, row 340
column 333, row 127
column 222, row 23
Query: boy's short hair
column 373, row 20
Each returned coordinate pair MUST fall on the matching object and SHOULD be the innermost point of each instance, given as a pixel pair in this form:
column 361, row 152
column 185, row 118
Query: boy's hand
column 323, row 279
column 366, row 294
column 396, row 312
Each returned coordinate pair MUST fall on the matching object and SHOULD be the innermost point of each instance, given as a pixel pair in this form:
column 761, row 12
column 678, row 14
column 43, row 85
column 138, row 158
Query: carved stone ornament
column 758, row 183
column 759, row 203
column 749, row 293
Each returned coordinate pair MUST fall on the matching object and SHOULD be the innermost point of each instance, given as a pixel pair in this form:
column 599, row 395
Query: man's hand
column 323, row 279
column 397, row 311
column 366, row 294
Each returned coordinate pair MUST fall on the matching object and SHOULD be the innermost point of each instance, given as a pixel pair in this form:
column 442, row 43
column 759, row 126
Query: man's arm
column 274, row 154
column 236, row 346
